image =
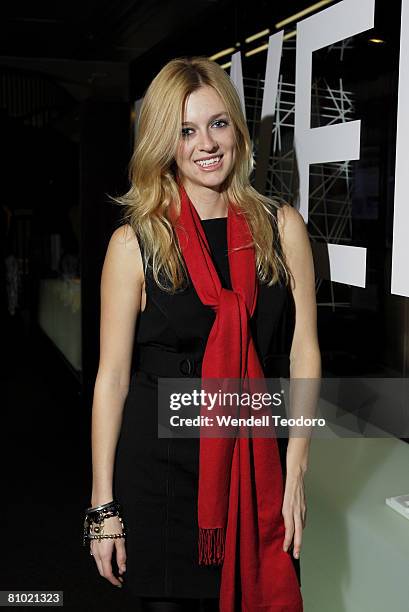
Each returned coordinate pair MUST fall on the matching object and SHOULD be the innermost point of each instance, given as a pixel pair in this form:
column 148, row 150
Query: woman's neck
column 207, row 202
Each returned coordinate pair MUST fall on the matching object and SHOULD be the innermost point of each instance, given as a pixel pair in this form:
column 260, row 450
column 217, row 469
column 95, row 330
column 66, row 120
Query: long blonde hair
column 153, row 174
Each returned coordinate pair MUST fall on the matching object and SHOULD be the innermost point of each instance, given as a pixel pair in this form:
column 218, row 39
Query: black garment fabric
column 179, row 605
column 156, row 479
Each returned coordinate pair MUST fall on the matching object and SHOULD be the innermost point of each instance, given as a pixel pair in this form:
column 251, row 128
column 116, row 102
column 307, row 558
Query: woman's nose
column 208, row 143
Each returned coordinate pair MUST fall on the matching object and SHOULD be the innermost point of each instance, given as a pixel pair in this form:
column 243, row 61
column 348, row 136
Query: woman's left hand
column 294, row 510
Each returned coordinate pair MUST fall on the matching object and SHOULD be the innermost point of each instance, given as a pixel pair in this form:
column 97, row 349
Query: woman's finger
column 289, row 530
column 107, row 569
column 95, row 554
column 120, row 555
column 298, row 533
column 102, row 553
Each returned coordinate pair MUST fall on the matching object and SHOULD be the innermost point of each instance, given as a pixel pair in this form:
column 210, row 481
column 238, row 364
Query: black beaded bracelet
column 97, row 515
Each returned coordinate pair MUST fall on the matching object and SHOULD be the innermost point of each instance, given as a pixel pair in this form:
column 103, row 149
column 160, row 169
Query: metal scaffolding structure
column 330, row 198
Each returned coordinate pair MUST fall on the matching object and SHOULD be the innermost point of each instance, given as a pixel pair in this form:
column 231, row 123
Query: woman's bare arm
column 305, row 357
column 121, row 292
column 305, row 363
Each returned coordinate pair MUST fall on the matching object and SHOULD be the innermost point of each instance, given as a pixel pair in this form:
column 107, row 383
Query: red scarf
column 240, row 479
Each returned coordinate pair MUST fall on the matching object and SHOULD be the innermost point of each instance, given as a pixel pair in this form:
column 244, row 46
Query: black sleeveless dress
column 156, row 480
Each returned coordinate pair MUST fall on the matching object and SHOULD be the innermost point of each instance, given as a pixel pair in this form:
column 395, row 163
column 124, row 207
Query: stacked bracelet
column 94, row 522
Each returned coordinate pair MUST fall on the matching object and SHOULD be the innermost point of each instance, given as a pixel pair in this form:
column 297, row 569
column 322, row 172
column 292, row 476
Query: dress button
column 186, row 367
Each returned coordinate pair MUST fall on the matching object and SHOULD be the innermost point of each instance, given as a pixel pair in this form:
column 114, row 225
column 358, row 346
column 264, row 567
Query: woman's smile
column 210, row 164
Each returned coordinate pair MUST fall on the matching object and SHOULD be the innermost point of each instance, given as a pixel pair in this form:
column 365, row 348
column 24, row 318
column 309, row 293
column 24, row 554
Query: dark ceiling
column 102, row 30
column 91, row 44
column 126, row 30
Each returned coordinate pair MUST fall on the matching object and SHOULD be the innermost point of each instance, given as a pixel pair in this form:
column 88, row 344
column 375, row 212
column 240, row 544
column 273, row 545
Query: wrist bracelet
column 100, row 507
column 111, row 508
column 95, row 517
column 111, row 536
column 99, row 515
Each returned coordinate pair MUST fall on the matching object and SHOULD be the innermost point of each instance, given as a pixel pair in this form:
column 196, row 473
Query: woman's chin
column 212, row 179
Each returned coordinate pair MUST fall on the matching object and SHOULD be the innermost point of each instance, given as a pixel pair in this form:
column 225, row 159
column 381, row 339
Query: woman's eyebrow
column 210, row 118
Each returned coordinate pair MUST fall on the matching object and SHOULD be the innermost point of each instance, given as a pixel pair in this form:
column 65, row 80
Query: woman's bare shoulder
column 293, row 229
column 124, row 236
column 296, row 246
column 290, row 220
column 124, row 251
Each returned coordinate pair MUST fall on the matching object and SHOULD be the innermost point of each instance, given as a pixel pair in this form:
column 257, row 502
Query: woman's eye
column 221, row 121
column 218, row 123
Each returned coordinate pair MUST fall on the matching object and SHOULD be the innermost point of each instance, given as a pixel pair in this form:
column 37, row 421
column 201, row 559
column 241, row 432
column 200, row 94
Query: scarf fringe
column 211, row 546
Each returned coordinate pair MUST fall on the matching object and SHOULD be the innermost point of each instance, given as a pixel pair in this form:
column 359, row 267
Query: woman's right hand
column 102, row 551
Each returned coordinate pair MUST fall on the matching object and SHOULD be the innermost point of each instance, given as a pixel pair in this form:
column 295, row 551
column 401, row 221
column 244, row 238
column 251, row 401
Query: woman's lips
column 213, row 166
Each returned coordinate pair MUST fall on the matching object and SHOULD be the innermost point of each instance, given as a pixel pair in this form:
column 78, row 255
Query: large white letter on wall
column 236, row 76
column 400, row 248
column 331, row 143
column 275, row 49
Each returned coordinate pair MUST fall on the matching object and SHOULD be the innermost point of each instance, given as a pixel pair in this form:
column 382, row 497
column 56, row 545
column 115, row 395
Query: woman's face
column 206, row 151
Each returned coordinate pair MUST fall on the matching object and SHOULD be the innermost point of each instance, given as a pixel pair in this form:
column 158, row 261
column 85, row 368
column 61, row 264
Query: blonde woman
column 205, row 278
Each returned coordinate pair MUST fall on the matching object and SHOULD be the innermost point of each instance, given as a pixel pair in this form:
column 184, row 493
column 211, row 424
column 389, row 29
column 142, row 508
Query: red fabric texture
column 240, row 479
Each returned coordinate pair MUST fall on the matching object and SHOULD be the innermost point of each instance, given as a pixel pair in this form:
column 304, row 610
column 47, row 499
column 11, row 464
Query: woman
column 204, row 276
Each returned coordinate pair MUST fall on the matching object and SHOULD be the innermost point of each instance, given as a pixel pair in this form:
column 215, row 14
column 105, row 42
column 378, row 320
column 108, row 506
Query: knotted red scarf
column 240, row 479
